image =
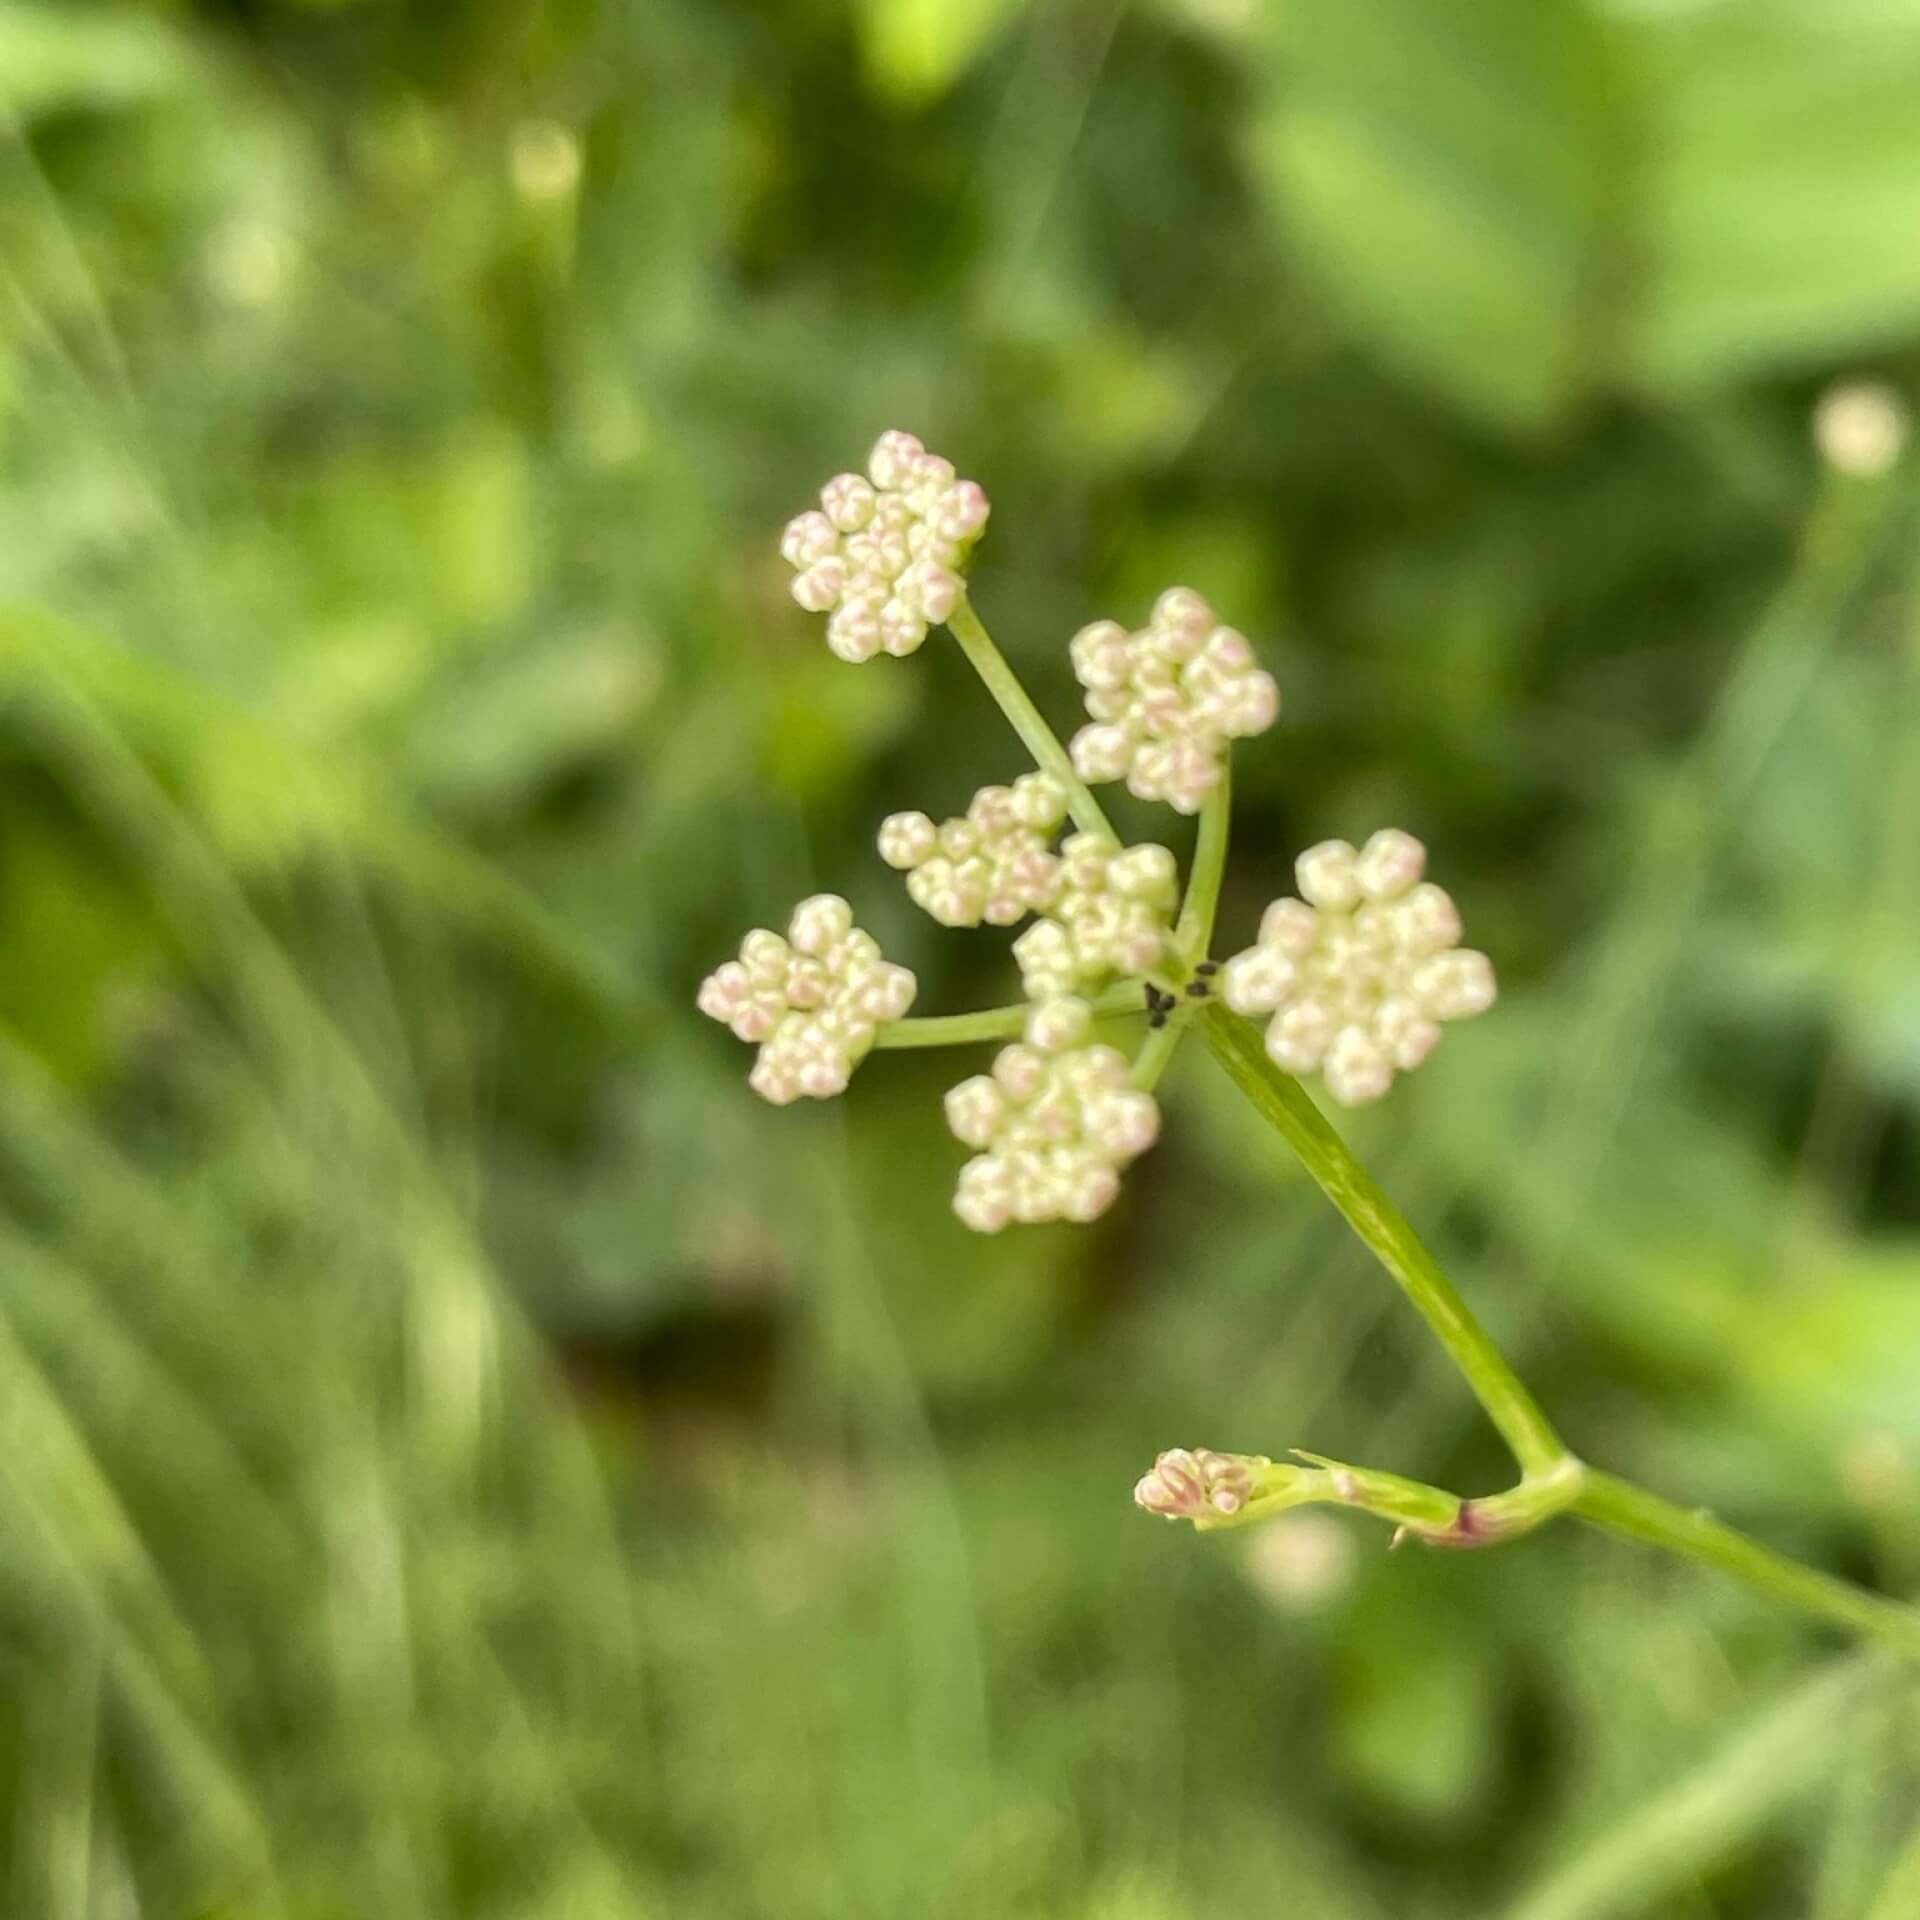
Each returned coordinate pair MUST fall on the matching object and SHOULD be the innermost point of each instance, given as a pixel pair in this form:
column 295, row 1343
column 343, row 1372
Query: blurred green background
column 460, row 1455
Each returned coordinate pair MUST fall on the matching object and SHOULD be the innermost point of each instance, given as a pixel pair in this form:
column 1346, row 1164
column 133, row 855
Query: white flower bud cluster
column 1360, row 972
column 991, row 865
column 1112, row 914
column 812, row 1002
column 1196, row 1484
column 1054, row 1123
column 1166, row 701
column 882, row 552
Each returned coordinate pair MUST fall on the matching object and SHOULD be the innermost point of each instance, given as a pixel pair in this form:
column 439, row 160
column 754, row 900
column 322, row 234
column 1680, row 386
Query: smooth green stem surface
column 1620, row 1507
column 997, row 1023
column 1194, row 934
column 1025, row 718
column 1158, row 1048
column 1285, row 1104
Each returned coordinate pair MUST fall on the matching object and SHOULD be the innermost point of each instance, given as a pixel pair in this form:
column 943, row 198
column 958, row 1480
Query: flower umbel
column 993, row 864
column 1359, row 974
column 813, row 1001
column 882, row 554
column 1355, row 978
column 1168, row 701
column 1112, row 914
column 1055, row 1122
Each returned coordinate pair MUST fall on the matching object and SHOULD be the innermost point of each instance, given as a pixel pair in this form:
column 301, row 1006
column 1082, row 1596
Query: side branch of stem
column 1025, row 718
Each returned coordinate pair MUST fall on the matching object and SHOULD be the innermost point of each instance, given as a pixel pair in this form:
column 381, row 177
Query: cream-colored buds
column 992, row 865
column 1359, row 974
column 883, row 552
column 1054, row 1124
column 811, row 1002
column 1111, row 916
column 1167, row 701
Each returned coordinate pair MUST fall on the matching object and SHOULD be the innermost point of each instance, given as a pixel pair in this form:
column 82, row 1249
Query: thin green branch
column 1285, row 1105
column 1194, row 934
column 1158, row 1048
column 997, row 1023
column 1417, row 1511
column 1025, row 718
column 1619, row 1507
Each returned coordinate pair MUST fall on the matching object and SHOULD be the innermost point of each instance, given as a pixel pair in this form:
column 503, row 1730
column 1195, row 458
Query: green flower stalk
column 1354, row 980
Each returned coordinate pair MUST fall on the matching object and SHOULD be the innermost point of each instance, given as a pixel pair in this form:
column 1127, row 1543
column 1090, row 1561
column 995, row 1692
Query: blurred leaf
column 58, row 54
column 917, row 49
column 1527, row 200
column 1691, row 1825
column 1414, row 1733
column 1440, row 166
column 1899, row 1897
column 523, row 720
column 1779, row 207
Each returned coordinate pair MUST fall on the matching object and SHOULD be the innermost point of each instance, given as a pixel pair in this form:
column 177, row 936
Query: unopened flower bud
column 883, row 554
column 1356, row 985
column 812, row 1002
column 1166, row 703
column 1053, row 1125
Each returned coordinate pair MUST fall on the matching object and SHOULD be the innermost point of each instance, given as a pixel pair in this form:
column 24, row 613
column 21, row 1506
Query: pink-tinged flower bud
column 808, row 539
column 893, row 460
column 1197, row 1485
column 1389, row 864
column 1039, row 802
column 901, row 629
column 907, row 840
column 819, row 589
column 854, row 631
column 848, row 501
column 961, row 515
column 1258, row 980
column 819, row 922
column 933, row 589
column 1356, row 1069
column 1326, row 876
column 1298, row 1037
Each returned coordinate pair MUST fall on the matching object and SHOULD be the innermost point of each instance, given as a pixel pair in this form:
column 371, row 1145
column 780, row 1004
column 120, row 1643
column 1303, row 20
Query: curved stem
column 1431, row 1515
column 1284, row 1103
column 1620, row 1507
column 1025, row 718
column 1554, row 1480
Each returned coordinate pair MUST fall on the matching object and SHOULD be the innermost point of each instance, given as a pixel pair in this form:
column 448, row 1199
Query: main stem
column 1614, row 1505
column 1285, row 1105
column 1553, row 1479
column 1620, row 1507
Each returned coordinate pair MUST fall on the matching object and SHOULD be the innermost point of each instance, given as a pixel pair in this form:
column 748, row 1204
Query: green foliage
column 464, row 1457
column 1533, row 203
